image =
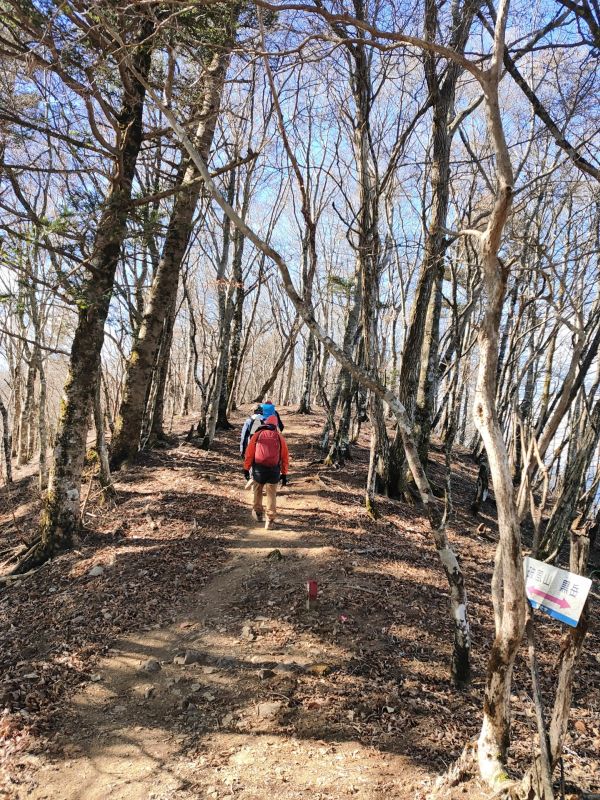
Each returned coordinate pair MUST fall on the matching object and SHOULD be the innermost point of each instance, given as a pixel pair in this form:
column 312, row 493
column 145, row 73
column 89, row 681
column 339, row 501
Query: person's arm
column 279, row 422
column 285, row 456
column 243, row 436
column 249, row 458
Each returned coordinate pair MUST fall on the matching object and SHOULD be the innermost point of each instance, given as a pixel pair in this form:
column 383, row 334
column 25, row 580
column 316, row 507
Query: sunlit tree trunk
column 508, row 587
column 418, row 371
column 128, row 429
column 27, row 419
column 101, row 447
column 42, row 427
column 237, row 313
column 61, row 516
column 17, row 404
column 6, row 442
column 307, row 379
column 153, row 430
column 368, row 263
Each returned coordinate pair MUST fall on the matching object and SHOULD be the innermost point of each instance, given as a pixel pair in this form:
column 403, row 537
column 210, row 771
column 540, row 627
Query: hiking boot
column 269, row 523
column 257, row 516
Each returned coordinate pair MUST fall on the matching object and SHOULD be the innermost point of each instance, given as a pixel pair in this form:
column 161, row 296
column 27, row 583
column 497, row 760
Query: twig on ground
column 17, row 577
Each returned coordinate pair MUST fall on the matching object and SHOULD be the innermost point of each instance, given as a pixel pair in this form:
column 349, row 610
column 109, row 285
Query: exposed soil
column 350, row 699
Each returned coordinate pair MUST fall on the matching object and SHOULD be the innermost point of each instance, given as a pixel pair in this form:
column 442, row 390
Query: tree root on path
column 371, row 508
column 8, row 579
column 465, row 768
column 35, row 557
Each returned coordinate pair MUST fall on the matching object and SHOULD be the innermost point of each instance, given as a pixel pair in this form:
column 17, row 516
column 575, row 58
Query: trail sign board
column 555, row 591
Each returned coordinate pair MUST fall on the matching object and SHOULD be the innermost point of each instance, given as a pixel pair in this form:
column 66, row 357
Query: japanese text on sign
column 555, row 591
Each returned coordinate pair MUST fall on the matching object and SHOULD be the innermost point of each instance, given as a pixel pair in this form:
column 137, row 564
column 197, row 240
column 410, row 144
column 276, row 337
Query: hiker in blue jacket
column 251, row 425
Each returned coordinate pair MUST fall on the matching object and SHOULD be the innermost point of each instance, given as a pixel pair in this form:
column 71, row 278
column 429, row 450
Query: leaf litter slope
column 351, row 699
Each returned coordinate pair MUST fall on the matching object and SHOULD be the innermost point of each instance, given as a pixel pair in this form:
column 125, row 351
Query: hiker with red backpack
column 268, row 458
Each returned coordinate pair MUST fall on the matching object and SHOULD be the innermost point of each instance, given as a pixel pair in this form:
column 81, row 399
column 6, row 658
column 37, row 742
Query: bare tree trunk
column 6, row 442
column 227, row 290
column 219, row 388
column 128, row 428
column 60, row 519
column 17, row 402
column 570, row 650
column 427, row 391
column 379, row 456
column 280, row 363
column 547, row 372
column 33, row 427
column 107, row 409
column 42, row 428
column 247, row 335
column 188, row 383
column 342, row 397
column 565, row 504
column 307, row 379
column 290, row 377
column 101, row 448
column 153, row 427
column 368, row 264
column 217, row 416
column 27, row 412
column 234, row 314
column 508, row 587
column 417, row 385
column 237, row 313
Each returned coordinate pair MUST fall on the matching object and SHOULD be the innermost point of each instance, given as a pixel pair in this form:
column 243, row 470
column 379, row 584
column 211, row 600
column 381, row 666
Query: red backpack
column 268, row 448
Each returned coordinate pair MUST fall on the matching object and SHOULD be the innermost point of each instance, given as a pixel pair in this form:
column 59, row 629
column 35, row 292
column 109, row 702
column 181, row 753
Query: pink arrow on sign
column 559, row 601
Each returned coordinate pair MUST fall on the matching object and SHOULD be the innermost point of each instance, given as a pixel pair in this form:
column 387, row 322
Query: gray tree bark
column 27, row 419
column 153, row 428
column 60, row 519
column 417, row 385
column 305, row 405
column 101, row 447
column 128, row 428
column 6, row 442
column 42, row 427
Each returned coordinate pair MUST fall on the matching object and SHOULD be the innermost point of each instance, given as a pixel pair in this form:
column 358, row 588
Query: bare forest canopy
column 387, row 211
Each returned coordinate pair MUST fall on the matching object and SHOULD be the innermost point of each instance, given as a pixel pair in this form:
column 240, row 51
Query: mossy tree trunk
column 60, row 518
column 142, row 361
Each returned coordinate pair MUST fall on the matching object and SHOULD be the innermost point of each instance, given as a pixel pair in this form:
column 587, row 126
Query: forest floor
column 186, row 665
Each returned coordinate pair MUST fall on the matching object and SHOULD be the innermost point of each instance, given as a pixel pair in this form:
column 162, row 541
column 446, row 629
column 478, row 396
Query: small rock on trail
column 269, row 710
column 152, row 665
column 189, row 657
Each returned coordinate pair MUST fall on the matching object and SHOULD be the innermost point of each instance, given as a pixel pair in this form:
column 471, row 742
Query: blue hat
column 268, row 410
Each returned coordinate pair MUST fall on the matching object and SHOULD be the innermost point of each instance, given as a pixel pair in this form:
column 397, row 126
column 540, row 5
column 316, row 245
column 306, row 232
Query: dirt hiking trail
column 245, row 693
column 235, row 698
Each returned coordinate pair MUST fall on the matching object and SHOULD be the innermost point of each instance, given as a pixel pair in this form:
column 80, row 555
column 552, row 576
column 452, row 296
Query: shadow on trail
column 369, row 666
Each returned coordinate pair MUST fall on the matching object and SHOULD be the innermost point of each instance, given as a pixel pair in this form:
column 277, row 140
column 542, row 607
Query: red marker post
column 311, row 595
